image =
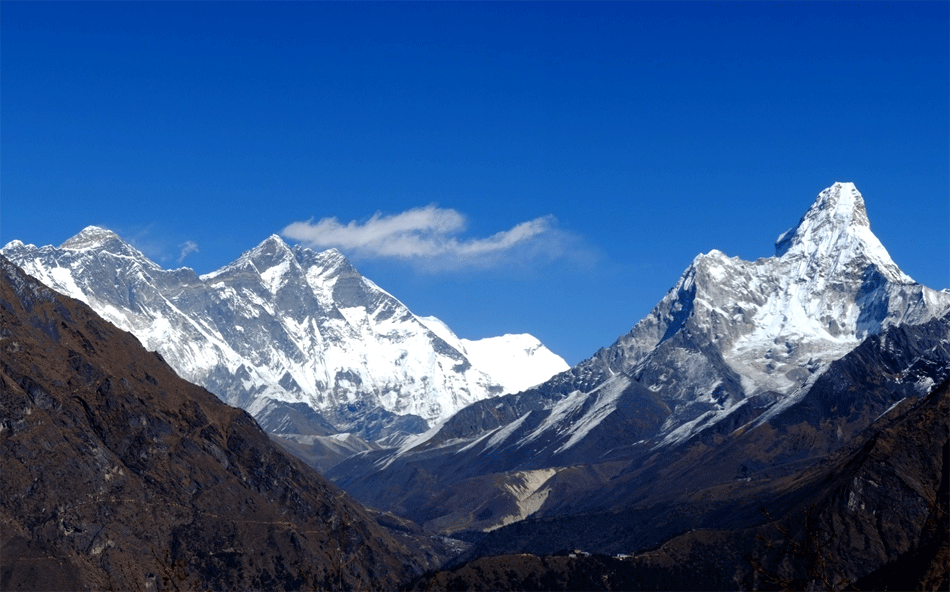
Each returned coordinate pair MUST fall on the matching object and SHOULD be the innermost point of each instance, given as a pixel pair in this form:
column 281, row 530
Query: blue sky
column 549, row 168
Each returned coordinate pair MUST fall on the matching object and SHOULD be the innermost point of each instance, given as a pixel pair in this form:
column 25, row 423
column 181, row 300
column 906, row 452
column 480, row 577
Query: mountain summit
column 281, row 332
column 90, row 237
column 98, row 239
column 776, row 321
column 836, row 230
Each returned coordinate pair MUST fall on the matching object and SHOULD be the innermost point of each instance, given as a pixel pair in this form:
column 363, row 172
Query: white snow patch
column 517, row 362
column 62, row 281
column 275, row 277
column 924, row 385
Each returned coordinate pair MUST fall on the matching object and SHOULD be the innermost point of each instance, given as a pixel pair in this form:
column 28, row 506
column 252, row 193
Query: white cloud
column 187, row 248
column 431, row 237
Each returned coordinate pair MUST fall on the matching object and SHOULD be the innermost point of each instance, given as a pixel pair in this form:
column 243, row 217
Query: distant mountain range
column 776, row 423
column 298, row 338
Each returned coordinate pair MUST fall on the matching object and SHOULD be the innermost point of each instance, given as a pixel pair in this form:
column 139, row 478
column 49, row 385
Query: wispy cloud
column 432, row 237
column 187, row 248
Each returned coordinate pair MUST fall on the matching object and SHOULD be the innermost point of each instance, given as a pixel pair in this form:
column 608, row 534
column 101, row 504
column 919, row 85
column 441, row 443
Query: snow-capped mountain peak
column 731, row 345
column 90, row 237
column 272, row 246
column 731, row 331
column 271, row 252
column 517, row 362
column 836, row 231
column 103, row 240
column 275, row 262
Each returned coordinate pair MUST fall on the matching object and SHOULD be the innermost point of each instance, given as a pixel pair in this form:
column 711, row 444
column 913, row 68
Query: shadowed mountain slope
column 872, row 516
column 118, row 474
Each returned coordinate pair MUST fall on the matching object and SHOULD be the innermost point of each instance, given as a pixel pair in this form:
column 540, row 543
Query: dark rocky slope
column 872, row 516
column 117, row 474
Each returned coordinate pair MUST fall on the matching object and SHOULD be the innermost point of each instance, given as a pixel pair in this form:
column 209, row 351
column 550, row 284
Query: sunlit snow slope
column 517, row 362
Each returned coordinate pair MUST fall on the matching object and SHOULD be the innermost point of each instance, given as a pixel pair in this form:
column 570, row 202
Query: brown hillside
column 117, row 474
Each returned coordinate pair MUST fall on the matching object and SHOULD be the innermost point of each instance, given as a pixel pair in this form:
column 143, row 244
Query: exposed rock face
column 734, row 345
column 280, row 327
column 118, row 474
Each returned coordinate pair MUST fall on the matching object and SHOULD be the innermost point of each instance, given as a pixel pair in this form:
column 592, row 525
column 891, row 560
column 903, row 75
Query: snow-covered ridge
column 279, row 323
column 517, row 362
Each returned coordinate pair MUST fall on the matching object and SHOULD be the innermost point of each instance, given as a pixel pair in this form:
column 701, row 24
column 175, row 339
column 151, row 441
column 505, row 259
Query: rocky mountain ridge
column 811, row 385
column 280, row 327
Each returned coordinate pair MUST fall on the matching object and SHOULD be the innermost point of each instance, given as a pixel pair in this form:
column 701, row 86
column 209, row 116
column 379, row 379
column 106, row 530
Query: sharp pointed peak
column 333, row 258
column 836, row 228
column 268, row 252
column 712, row 255
column 838, row 213
column 326, row 257
column 334, row 255
column 104, row 241
column 274, row 241
column 271, row 251
column 713, row 260
column 844, row 202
